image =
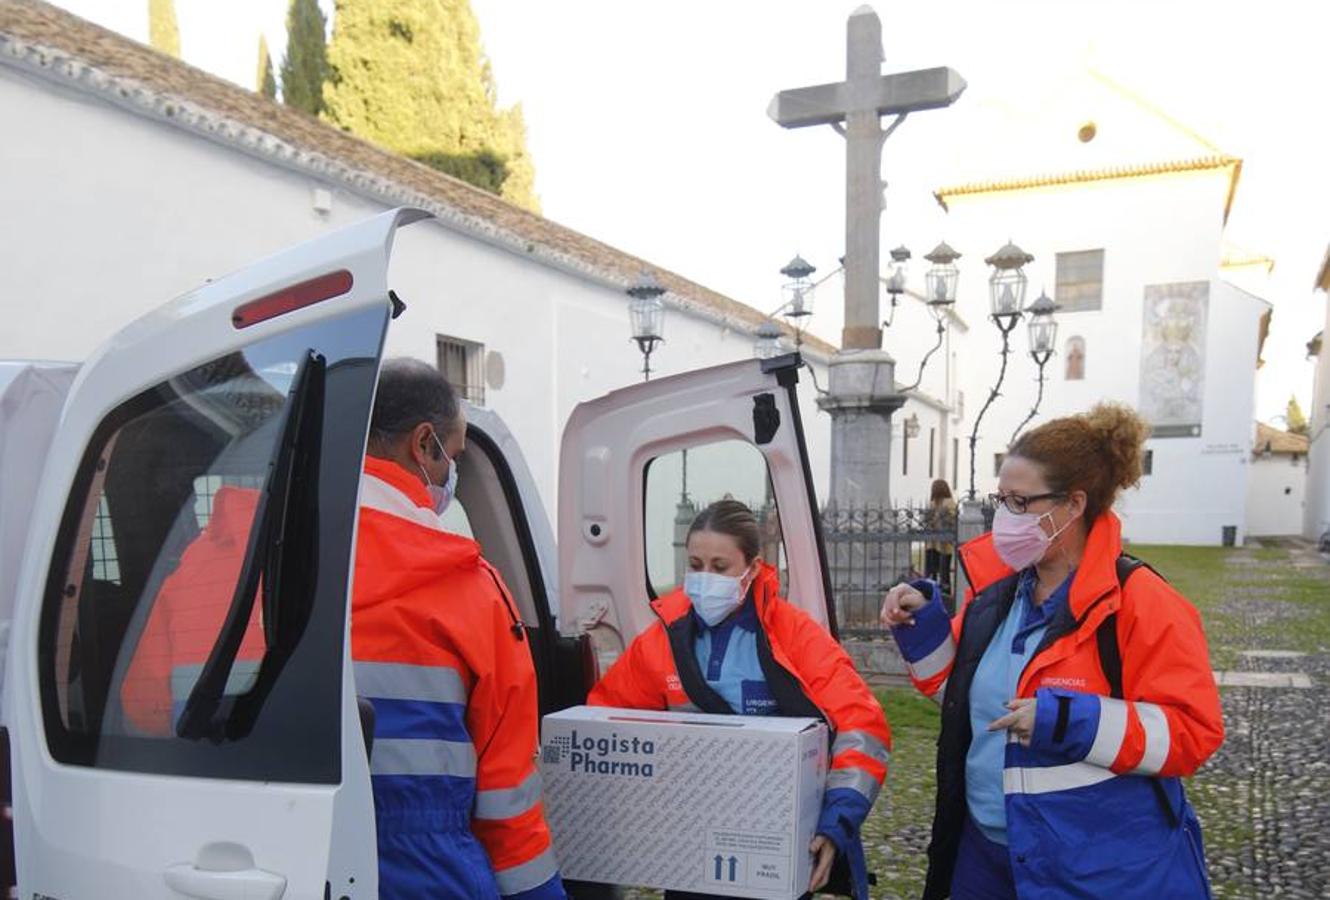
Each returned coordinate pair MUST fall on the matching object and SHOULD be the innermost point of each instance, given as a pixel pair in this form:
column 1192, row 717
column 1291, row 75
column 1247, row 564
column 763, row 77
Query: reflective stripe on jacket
column 439, row 651
column 808, row 674
column 1083, row 818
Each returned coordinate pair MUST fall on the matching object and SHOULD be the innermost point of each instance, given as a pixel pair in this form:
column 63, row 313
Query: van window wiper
column 264, row 552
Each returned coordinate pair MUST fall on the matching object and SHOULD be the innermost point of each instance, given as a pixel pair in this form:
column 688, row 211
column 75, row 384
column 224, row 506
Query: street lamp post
column 1043, row 340
column 940, row 287
column 646, row 314
column 1006, row 292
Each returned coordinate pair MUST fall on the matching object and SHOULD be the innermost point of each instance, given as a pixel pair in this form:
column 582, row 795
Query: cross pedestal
column 861, row 400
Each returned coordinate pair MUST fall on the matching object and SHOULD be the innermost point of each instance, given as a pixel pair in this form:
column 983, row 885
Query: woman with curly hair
column 1075, row 687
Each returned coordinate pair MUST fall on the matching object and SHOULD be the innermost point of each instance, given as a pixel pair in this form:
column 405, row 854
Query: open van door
column 639, row 463
column 179, row 696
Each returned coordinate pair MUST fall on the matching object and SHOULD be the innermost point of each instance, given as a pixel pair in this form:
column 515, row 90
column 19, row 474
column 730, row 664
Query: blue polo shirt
column 994, row 684
column 727, row 655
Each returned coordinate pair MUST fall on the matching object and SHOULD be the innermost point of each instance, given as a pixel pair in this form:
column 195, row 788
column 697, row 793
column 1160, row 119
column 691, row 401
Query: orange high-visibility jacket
column 1095, row 804
column 807, row 672
column 440, row 652
column 187, row 617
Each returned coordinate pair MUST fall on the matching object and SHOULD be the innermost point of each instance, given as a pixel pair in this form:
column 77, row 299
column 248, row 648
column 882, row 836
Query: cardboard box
column 685, row 801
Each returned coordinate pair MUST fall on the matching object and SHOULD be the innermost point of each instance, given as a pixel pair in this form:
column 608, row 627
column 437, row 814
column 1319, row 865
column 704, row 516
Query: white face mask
column 441, row 495
column 714, row 597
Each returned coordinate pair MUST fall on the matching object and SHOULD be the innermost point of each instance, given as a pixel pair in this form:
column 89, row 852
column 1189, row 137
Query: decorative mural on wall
column 1173, row 357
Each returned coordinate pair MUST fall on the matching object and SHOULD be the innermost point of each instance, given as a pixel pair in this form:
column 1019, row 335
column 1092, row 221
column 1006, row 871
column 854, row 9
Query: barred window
column 1080, row 281
column 462, row 362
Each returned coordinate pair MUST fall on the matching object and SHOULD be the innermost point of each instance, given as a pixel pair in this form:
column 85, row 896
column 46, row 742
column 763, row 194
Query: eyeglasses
column 1019, row 504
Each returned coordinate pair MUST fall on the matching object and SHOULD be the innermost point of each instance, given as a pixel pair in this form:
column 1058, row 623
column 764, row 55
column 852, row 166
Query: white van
column 266, row 379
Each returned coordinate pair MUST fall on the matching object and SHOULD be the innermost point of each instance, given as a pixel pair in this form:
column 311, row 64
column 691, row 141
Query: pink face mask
column 1019, row 539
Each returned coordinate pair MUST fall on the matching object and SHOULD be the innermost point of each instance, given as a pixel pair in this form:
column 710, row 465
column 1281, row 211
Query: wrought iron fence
column 871, row 549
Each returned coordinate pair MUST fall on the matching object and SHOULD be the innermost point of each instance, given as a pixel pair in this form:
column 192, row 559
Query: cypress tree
column 1294, row 417
column 305, row 65
column 266, row 84
column 163, row 32
column 410, row 76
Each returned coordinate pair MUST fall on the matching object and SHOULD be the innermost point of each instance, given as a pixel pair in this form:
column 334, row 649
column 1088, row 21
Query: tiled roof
column 53, row 43
column 1083, row 176
column 1271, row 440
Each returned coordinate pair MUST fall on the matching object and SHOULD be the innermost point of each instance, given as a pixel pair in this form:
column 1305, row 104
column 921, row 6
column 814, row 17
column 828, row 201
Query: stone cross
column 862, row 376
column 855, row 107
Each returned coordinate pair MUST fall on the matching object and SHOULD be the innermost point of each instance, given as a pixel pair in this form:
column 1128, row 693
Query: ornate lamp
column 646, row 314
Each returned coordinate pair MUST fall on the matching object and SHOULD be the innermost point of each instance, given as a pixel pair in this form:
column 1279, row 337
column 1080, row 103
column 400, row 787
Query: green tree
column 1297, row 422
column 410, row 75
column 305, row 65
column 265, row 84
column 163, row 32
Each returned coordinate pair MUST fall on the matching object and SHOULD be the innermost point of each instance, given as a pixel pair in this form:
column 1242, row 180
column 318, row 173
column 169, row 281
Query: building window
column 932, row 444
column 462, row 362
column 997, row 463
column 905, row 451
column 1080, row 281
column 955, row 462
column 1075, row 354
column 1148, row 463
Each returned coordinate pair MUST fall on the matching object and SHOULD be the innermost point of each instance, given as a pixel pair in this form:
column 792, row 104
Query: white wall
column 1317, row 517
column 1276, row 492
column 1153, row 231
column 115, row 214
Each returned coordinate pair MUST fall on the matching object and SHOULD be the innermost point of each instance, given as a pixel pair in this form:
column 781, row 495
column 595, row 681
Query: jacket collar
column 397, row 477
column 1096, row 576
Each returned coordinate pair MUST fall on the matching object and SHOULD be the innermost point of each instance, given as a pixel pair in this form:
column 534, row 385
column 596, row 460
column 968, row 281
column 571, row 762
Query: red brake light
column 297, row 296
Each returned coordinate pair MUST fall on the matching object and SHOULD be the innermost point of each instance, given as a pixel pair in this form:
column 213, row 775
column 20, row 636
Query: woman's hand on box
column 824, row 854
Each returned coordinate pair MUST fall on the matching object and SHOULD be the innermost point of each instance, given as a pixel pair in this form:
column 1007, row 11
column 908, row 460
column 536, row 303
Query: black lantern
column 646, row 314
column 941, row 278
column 1006, row 286
column 895, row 283
column 768, row 341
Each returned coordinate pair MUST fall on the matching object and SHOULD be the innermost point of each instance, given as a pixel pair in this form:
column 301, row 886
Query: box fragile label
column 721, row 804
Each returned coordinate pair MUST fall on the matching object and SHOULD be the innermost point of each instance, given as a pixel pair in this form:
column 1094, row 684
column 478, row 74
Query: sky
column 647, row 120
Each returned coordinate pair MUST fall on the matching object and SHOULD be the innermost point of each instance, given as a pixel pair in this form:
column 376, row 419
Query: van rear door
column 638, row 464
column 179, row 695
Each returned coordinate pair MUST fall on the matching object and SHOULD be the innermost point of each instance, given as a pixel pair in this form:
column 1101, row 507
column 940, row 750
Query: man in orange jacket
column 440, row 652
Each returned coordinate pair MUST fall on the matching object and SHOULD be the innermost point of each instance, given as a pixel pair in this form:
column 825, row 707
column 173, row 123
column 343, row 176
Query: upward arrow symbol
column 734, row 869
column 719, row 862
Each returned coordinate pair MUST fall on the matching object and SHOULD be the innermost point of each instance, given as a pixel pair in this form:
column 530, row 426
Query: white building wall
column 1153, row 231
column 1316, row 520
column 116, row 213
column 1276, row 494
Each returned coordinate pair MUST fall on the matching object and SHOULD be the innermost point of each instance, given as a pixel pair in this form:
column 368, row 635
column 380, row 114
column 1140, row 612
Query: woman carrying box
column 727, row 643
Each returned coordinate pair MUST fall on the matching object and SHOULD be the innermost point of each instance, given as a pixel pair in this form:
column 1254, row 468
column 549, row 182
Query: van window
column 194, row 615
column 681, row 484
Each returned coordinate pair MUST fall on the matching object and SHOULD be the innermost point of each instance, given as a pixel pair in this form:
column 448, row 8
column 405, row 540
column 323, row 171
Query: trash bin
column 1230, row 536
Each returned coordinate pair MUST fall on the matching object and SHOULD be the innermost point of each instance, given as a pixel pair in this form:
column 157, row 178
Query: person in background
column 1075, row 687
column 728, row 643
column 440, row 652
column 941, row 516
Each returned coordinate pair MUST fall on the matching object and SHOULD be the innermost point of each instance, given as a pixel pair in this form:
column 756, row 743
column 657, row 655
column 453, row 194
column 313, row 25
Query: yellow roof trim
column 1086, row 176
